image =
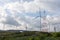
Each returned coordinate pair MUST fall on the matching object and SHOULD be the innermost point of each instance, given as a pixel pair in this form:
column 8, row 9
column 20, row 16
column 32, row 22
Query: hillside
column 29, row 35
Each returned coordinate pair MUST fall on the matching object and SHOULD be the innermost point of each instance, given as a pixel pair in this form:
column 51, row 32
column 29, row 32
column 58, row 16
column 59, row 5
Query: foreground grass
column 29, row 35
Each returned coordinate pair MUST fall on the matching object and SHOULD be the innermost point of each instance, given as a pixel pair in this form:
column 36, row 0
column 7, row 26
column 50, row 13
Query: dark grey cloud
column 53, row 5
column 10, row 20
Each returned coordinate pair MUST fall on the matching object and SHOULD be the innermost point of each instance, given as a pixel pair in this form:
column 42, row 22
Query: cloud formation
column 18, row 14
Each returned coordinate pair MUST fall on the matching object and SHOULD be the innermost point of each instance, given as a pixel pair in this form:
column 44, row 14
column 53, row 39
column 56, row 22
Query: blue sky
column 17, row 14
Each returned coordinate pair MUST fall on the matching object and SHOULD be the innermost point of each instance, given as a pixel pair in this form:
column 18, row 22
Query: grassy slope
column 29, row 36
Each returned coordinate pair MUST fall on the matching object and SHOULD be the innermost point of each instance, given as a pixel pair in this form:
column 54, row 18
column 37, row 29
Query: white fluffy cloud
column 24, row 6
column 50, row 22
column 12, row 14
column 16, row 9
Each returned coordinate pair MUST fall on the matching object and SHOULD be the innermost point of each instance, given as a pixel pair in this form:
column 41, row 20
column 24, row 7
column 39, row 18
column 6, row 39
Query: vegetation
column 29, row 35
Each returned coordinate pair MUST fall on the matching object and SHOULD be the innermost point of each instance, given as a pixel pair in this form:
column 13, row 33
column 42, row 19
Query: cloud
column 51, row 5
column 12, row 14
column 10, row 20
column 23, row 6
column 16, row 14
column 50, row 22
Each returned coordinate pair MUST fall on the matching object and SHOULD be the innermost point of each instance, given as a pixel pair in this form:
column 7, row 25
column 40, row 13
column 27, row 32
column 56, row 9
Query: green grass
column 30, row 35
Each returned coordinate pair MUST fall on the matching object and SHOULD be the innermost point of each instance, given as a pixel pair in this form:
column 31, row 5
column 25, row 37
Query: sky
column 19, row 14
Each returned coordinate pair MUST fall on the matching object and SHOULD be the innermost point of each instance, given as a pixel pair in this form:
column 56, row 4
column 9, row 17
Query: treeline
column 29, row 35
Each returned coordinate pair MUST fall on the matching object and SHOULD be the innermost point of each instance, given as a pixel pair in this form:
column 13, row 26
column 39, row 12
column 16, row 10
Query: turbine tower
column 40, row 15
column 40, row 18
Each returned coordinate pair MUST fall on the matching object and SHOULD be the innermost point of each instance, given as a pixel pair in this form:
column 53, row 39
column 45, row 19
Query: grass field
column 29, row 35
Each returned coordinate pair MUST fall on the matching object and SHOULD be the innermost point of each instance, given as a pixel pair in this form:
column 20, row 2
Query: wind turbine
column 40, row 18
column 37, row 17
column 40, row 21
